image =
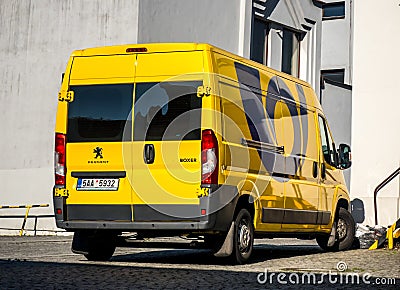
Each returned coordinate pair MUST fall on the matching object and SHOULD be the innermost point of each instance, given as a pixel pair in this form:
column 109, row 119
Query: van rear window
column 167, row 111
column 100, row 113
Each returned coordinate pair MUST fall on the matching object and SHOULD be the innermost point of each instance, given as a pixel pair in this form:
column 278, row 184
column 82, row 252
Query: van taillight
column 59, row 159
column 209, row 158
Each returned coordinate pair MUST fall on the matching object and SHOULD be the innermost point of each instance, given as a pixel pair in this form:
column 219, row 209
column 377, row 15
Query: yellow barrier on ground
column 28, row 208
column 392, row 233
column 396, row 234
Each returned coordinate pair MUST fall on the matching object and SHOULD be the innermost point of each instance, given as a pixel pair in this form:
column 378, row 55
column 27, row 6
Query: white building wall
column 376, row 103
column 303, row 17
column 215, row 22
column 36, row 39
column 310, row 57
column 336, row 53
column 275, row 49
column 336, row 43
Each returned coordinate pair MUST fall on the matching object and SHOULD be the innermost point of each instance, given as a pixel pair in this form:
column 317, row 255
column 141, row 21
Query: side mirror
column 344, row 156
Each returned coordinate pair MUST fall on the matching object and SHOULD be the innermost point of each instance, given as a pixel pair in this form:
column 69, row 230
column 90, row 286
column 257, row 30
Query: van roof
column 174, row 47
column 150, row 47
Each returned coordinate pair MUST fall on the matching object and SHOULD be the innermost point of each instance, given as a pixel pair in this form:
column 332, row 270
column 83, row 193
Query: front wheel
column 243, row 238
column 344, row 230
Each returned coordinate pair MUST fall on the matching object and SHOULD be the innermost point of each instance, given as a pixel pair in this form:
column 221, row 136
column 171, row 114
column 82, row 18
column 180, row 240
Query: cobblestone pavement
column 48, row 263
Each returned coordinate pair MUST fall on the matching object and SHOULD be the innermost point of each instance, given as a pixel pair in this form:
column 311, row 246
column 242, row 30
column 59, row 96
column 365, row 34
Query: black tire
column 101, row 246
column 214, row 242
column 345, row 232
column 243, row 238
column 322, row 241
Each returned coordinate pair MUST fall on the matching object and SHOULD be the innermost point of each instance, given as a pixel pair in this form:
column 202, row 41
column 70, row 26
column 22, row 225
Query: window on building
column 259, row 41
column 335, row 75
column 284, row 44
column 290, row 52
column 335, row 10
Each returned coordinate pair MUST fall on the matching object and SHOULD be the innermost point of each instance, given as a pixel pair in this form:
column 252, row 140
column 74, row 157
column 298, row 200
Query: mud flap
column 80, row 243
column 227, row 247
column 332, row 236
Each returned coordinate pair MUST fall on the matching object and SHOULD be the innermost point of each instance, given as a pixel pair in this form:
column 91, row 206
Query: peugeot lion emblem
column 99, row 152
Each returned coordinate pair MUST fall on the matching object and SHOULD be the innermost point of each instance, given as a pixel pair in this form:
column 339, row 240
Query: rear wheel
column 101, row 246
column 243, row 238
column 344, row 233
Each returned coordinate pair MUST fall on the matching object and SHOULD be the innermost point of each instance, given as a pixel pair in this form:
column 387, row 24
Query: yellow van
column 188, row 139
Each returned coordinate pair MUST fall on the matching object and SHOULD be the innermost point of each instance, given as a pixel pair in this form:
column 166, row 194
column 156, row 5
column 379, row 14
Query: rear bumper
column 213, row 213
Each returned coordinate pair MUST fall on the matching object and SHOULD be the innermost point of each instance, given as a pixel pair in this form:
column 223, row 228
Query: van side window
column 242, row 112
column 328, row 147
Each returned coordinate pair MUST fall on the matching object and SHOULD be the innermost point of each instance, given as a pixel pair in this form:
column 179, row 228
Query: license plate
column 97, row 184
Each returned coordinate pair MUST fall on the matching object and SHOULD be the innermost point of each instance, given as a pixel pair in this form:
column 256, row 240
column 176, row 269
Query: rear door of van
column 98, row 128
column 134, row 137
column 167, row 118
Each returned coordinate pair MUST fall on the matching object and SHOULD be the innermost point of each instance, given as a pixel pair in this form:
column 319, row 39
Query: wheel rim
column 244, row 236
column 341, row 229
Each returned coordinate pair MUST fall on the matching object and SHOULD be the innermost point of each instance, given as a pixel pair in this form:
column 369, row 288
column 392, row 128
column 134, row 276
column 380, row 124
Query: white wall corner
column 245, row 25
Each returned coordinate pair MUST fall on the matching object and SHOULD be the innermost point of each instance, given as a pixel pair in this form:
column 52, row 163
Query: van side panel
column 264, row 107
column 332, row 187
column 301, row 158
column 243, row 98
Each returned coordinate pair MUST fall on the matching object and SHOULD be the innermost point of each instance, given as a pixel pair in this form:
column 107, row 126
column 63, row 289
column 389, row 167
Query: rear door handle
column 149, row 153
column 323, row 171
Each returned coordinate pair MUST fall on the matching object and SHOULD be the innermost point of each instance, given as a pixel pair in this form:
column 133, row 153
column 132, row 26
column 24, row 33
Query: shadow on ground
column 47, row 275
column 184, row 253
